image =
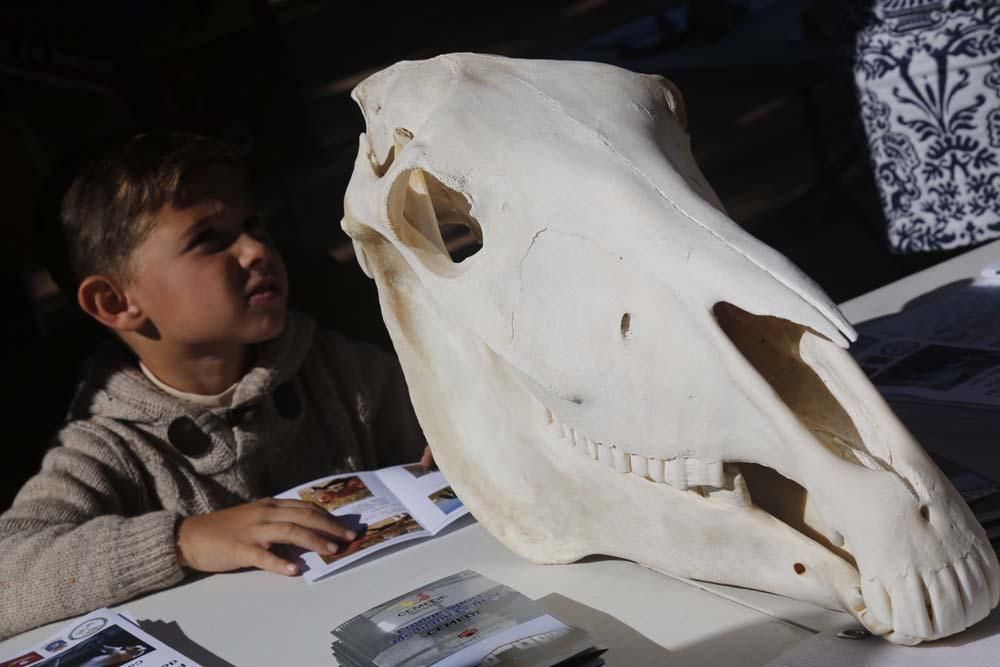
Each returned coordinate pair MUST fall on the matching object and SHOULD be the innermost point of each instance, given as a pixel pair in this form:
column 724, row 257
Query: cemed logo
column 423, row 596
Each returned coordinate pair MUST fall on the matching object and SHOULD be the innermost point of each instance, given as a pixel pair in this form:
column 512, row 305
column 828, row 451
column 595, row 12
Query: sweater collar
column 114, row 387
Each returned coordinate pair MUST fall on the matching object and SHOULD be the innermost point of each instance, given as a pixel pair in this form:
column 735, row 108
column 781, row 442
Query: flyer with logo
column 102, row 637
column 463, row 619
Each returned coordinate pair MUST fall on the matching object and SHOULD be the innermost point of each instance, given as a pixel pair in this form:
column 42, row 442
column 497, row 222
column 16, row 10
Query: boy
column 216, row 398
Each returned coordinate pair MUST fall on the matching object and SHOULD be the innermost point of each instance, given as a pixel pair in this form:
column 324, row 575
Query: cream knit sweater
column 96, row 525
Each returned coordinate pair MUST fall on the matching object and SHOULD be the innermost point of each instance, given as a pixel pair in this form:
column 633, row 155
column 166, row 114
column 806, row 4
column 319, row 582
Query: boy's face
column 207, row 274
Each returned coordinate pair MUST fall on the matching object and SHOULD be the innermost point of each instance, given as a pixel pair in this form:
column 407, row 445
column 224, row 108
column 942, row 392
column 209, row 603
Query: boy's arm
column 379, row 396
column 79, row 536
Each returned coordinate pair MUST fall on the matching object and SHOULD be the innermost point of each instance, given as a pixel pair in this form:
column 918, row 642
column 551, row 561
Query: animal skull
column 621, row 369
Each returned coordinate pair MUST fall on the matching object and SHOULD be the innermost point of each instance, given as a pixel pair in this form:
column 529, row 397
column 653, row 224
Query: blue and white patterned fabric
column 928, row 77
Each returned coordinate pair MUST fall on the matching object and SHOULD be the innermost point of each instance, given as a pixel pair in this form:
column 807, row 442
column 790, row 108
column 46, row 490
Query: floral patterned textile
column 928, row 77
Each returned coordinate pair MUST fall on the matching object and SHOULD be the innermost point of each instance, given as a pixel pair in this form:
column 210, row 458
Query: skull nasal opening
column 772, row 346
column 434, row 220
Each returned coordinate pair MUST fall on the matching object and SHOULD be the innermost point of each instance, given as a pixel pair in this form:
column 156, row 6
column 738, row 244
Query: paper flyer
column 100, row 638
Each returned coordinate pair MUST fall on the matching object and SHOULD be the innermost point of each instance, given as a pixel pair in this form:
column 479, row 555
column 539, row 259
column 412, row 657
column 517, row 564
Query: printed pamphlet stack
column 384, row 507
column 462, row 620
column 102, row 637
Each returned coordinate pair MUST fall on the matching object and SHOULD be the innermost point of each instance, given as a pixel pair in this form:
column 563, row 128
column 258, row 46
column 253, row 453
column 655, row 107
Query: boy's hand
column 242, row 536
column 427, row 460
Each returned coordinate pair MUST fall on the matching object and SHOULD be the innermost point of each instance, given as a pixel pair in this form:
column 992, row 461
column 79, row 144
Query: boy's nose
column 252, row 251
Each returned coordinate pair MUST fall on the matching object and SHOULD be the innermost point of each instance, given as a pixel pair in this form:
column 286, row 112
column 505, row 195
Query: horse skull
column 620, row 369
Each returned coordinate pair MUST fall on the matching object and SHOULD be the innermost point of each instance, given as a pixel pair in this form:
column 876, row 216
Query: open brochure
column 462, row 620
column 384, row 507
column 102, row 637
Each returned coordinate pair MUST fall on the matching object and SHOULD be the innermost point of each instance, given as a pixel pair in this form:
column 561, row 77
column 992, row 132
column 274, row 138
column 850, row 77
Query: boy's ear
column 101, row 298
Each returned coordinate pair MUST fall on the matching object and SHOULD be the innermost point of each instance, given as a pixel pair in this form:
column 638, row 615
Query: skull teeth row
column 681, row 473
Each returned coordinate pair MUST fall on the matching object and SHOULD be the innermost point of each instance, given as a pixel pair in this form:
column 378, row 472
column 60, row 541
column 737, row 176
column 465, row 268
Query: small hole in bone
column 626, row 325
column 799, row 568
column 925, row 512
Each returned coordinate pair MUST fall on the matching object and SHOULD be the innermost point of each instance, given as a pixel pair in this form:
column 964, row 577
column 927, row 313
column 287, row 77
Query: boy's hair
column 108, row 209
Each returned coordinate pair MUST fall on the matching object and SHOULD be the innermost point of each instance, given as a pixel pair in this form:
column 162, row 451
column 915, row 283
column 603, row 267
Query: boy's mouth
column 263, row 291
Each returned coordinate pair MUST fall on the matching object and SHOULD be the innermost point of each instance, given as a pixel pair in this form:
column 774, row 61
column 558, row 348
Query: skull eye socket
column 433, row 220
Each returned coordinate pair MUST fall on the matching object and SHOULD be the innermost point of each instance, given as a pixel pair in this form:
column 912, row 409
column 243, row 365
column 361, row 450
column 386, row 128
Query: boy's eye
column 216, row 237
column 207, row 236
column 209, row 239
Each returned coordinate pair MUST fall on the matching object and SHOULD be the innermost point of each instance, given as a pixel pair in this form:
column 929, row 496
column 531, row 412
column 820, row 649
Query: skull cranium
column 621, row 369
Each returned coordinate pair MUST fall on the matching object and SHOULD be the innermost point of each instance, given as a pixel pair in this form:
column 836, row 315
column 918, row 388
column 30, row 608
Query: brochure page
column 427, row 494
column 102, row 637
column 364, row 504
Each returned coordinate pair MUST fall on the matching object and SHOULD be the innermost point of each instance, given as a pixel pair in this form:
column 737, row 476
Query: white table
column 256, row 618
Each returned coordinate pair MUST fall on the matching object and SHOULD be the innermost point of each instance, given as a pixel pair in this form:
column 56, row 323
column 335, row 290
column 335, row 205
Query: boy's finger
column 427, row 460
column 337, row 525
column 318, row 521
column 294, row 534
column 266, row 560
column 318, row 510
column 290, row 502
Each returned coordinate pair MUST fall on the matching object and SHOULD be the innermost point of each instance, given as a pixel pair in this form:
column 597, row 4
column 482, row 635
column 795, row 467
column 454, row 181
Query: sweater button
column 187, row 438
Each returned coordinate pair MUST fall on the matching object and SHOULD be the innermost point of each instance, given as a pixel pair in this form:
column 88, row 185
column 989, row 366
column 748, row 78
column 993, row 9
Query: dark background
column 767, row 85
